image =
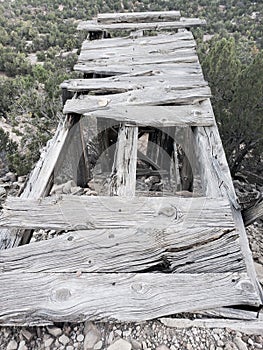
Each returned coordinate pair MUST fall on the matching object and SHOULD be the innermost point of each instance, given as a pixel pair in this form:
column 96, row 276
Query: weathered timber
column 137, row 51
column 252, row 214
column 130, row 40
column 181, row 66
column 201, row 250
column 40, row 180
column 120, row 84
column 49, row 297
column 129, row 17
column 76, row 213
column 244, row 326
column 123, row 176
column 231, row 313
column 92, row 26
column 216, row 182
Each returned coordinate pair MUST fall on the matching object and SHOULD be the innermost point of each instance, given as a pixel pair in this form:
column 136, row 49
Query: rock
column 240, row 344
column 120, row 344
column 12, row 345
column 9, row 177
column 64, row 339
column 98, row 345
column 136, row 345
column 22, row 345
column 259, row 271
column 26, row 334
column 162, row 347
column 80, row 337
column 48, row 342
column 70, row 347
column 230, row 346
column 2, row 192
column 92, row 335
column 55, row 331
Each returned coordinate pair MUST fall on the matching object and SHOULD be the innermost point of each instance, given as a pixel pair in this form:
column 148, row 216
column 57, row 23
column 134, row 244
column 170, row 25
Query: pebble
column 70, row 347
column 12, row 345
column 26, row 334
column 64, row 339
column 92, row 335
column 98, row 345
column 22, row 345
column 55, row 331
column 162, row 347
column 240, row 344
column 136, row 345
column 80, row 338
column 48, row 342
column 120, row 344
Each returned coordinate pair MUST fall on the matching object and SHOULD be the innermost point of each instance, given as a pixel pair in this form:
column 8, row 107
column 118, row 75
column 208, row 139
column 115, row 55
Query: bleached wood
column 48, row 297
column 247, row 327
column 131, row 17
column 101, row 44
column 185, row 249
column 92, row 26
column 79, row 213
column 157, row 116
column 123, row 176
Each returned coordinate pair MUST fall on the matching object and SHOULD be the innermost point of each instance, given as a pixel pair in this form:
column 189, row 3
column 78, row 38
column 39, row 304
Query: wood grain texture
column 252, row 214
column 182, row 249
column 156, row 116
column 123, row 176
column 131, row 17
column 42, row 298
column 80, row 213
column 92, row 26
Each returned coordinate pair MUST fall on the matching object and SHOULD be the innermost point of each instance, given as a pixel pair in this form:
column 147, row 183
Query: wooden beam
column 75, row 213
column 43, row 298
column 197, row 249
column 123, row 176
column 131, row 17
column 92, row 26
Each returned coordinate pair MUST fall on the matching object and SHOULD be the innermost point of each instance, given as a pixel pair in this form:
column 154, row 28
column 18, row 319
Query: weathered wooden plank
column 120, row 84
column 247, row 327
column 131, row 17
column 92, row 26
column 123, row 176
column 159, row 96
column 76, row 213
column 252, row 214
column 216, row 181
column 39, row 181
column 42, row 298
column 190, row 68
column 101, row 44
column 184, row 249
column 136, row 51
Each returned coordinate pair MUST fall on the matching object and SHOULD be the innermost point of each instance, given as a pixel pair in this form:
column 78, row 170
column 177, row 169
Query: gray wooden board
column 125, row 83
column 135, row 51
column 92, row 26
column 85, row 212
column 191, row 68
column 128, row 17
column 156, row 116
column 40, row 298
column 183, row 249
column 101, row 44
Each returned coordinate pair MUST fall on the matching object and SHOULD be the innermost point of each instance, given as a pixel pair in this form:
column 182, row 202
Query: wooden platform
column 130, row 254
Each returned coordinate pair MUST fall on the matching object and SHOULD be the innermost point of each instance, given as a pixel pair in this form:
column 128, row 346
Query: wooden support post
column 123, row 177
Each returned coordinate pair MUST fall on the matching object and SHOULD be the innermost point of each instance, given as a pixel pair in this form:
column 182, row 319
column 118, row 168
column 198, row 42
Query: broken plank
column 92, row 26
column 79, row 213
column 123, row 176
column 131, row 17
column 245, row 326
column 201, row 250
column 49, row 297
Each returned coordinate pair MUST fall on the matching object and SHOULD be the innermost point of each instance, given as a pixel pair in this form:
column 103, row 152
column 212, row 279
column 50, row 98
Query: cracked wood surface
column 57, row 297
column 85, row 212
column 128, row 17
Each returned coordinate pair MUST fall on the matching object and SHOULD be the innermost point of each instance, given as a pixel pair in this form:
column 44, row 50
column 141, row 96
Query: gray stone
column 98, row 345
column 64, row 339
column 48, row 342
column 162, row 347
column 55, row 331
column 26, row 334
column 12, row 345
column 120, row 344
column 136, row 345
column 240, row 344
column 22, row 345
column 80, row 337
column 92, row 335
column 70, row 347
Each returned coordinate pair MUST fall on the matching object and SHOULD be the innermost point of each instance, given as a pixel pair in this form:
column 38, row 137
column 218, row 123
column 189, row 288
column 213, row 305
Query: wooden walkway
column 128, row 255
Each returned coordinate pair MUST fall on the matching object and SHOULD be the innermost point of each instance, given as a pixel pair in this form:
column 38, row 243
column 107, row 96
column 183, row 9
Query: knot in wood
column 139, row 288
column 168, row 211
column 61, row 294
